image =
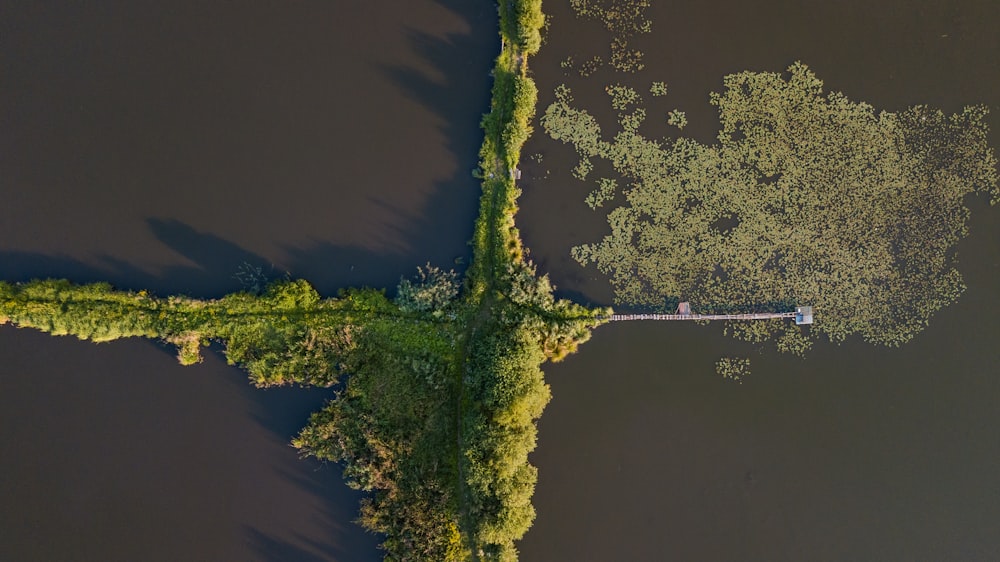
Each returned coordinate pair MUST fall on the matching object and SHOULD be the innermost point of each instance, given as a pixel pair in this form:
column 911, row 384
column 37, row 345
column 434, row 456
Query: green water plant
column 590, row 66
column 623, row 19
column 677, row 118
column 736, row 369
column 806, row 198
column 622, row 97
column 606, row 188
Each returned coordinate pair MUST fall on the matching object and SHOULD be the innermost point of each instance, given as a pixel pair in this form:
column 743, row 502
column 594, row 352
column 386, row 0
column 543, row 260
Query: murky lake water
column 856, row 452
column 160, row 145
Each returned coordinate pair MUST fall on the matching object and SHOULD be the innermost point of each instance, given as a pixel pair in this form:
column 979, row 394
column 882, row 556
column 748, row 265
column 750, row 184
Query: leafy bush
column 530, row 21
column 433, row 292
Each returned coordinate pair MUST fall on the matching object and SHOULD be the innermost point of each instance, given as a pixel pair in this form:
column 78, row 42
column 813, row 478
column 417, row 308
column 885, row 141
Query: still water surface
column 160, row 145
column 856, row 452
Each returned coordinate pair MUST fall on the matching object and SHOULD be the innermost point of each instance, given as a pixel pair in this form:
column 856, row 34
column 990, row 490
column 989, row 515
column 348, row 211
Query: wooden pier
column 752, row 316
column 802, row 315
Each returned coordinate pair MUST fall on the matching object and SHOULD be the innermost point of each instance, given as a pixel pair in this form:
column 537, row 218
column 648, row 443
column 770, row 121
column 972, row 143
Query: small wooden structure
column 803, row 315
column 684, row 308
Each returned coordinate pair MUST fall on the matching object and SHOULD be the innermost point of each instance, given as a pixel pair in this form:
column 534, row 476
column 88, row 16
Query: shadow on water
column 453, row 89
column 331, row 267
column 281, row 412
column 440, row 91
column 215, row 470
column 580, row 297
column 214, row 263
column 274, row 548
column 447, row 214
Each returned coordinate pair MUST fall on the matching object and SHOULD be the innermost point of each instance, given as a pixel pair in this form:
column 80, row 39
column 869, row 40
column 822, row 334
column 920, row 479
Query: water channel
column 162, row 145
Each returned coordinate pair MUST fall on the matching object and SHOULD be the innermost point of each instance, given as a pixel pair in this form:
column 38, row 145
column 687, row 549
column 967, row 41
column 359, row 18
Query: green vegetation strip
column 439, row 389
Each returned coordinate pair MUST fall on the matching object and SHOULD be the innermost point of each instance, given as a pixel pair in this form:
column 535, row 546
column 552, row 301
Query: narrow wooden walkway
column 754, row 316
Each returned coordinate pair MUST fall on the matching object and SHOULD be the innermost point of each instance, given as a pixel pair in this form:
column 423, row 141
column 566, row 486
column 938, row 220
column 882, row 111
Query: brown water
column 160, row 145
column 856, row 452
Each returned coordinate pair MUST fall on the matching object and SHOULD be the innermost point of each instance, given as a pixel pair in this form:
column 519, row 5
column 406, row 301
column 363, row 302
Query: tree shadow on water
column 329, row 507
column 214, row 263
column 211, row 262
column 339, row 543
column 327, row 532
column 456, row 91
column 331, row 267
column 211, row 273
column 274, row 549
